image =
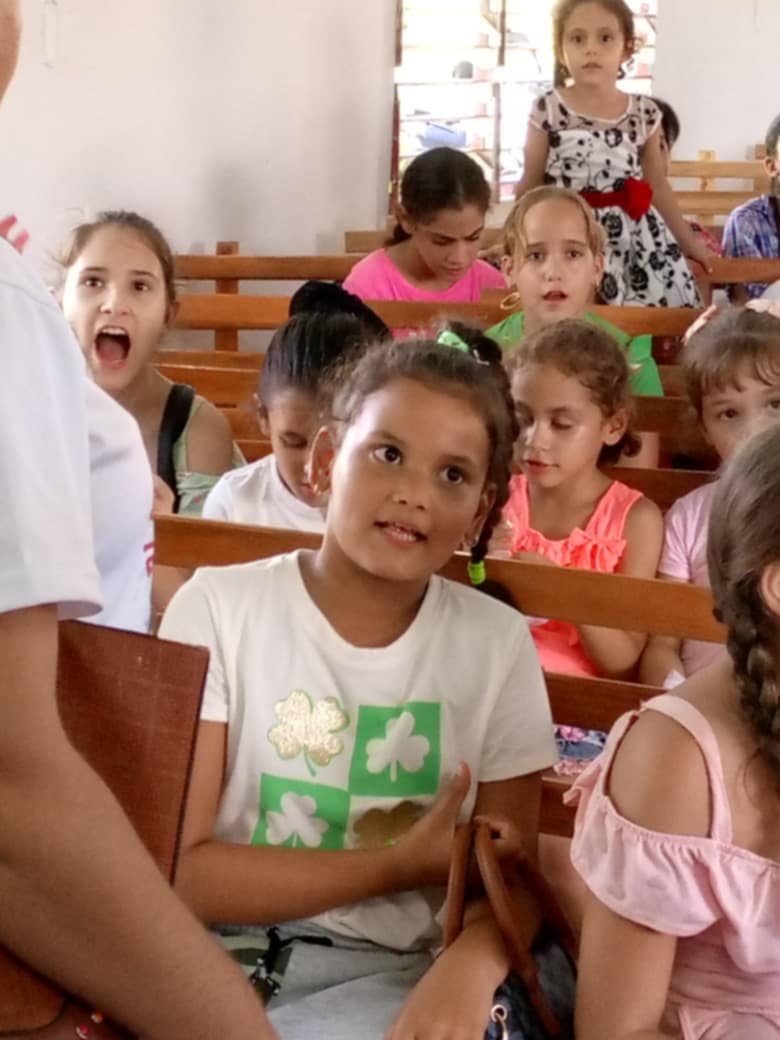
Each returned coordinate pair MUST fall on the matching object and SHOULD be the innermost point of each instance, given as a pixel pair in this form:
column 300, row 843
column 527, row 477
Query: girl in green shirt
column 554, row 262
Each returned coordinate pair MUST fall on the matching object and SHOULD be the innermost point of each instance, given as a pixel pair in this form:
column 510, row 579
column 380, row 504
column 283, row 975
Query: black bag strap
column 174, row 419
column 775, row 207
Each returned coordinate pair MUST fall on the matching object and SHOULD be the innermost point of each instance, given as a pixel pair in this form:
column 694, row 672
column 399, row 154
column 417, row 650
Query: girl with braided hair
column 678, row 826
column 358, row 705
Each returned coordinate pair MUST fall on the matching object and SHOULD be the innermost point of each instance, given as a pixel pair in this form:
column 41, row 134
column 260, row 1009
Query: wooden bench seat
column 614, row 601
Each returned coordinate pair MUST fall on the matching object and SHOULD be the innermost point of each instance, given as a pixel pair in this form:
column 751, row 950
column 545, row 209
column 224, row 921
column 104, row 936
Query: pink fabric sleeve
column 677, row 551
column 370, row 278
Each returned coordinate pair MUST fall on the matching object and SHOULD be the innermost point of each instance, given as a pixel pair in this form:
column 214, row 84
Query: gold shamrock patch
column 378, row 828
column 309, row 729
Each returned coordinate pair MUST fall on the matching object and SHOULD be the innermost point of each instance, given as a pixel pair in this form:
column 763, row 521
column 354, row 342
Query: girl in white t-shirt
column 358, row 705
column 276, row 491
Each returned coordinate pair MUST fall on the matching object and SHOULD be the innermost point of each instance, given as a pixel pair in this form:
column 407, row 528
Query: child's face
column 562, row 429
column 557, row 273
column 114, row 298
column 290, row 423
column 594, row 46
column 731, row 414
column 448, row 243
column 408, row 481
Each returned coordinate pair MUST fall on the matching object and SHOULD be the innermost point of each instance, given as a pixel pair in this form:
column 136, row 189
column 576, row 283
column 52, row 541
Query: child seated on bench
column 119, row 296
column 677, row 834
column 732, row 375
column 433, row 252
column 276, row 490
column 358, row 705
column 554, row 262
column 570, row 388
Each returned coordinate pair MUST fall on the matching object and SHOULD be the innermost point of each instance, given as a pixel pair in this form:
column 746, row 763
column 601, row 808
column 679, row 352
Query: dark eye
column 575, row 254
column 387, row 453
column 774, row 405
column 141, row 286
column 535, row 254
column 91, row 281
column 727, row 413
column 454, row 475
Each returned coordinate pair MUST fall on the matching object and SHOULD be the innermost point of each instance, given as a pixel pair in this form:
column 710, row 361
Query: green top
column 645, row 380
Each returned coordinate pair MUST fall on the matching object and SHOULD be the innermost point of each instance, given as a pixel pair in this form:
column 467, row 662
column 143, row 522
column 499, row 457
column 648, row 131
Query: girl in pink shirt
column 433, row 252
column 678, row 826
column 570, row 385
column 732, row 374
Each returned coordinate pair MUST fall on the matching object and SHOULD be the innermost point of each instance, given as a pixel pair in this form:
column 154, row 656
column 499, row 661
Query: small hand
column 502, row 538
column 702, row 254
column 423, row 854
column 700, row 322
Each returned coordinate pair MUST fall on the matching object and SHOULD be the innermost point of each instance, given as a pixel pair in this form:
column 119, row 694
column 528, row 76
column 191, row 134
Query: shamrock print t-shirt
column 332, row 746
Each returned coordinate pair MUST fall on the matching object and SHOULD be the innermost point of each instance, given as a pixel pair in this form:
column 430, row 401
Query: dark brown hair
column 743, row 539
column 442, row 178
column 561, row 12
column 597, row 361
column 126, row 220
column 734, row 338
column 475, row 373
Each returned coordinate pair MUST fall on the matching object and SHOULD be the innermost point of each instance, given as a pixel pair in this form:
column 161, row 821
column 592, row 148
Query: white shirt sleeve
column 676, row 553
column 190, row 618
column 46, row 545
column 219, row 501
column 519, row 737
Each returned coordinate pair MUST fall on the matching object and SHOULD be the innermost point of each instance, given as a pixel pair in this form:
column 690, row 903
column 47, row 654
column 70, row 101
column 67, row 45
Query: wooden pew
column 660, row 608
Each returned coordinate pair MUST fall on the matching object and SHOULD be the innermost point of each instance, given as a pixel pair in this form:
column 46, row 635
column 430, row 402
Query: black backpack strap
column 174, row 419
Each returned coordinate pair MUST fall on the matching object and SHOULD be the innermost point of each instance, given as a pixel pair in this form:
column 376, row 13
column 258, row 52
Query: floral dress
column 645, row 266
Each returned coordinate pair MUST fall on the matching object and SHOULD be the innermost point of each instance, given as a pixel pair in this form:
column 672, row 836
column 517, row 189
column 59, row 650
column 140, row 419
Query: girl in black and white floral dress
column 597, row 140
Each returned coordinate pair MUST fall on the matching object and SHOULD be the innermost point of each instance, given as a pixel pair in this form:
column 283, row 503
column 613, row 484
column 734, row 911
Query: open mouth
column 534, row 466
column 555, row 296
column 112, row 347
column 400, row 534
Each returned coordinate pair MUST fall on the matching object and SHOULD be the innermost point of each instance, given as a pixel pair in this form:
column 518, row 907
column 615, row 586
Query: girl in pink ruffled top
column 678, row 823
column 570, row 385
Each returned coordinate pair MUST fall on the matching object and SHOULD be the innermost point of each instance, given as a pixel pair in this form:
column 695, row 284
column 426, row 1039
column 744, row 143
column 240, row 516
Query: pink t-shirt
column 684, row 558
column 376, row 277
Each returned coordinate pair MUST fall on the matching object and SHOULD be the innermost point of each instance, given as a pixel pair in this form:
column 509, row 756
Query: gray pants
column 352, row 989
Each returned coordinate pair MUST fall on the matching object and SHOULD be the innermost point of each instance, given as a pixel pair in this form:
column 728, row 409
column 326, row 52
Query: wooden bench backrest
column 578, row 596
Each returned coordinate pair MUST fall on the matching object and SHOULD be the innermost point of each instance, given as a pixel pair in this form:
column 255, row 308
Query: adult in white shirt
column 80, row 898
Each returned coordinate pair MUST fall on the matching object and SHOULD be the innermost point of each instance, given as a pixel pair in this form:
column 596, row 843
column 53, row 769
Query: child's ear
column 615, row 426
column 769, row 585
column 599, row 263
column 321, row 458
column 262, row 417
column 507, row 268
column 404, row 219
column 771, row 166
column 486, row 501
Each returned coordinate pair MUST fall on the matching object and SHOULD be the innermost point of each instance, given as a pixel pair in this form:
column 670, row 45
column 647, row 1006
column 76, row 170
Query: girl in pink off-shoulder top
column 570, row 385
column 678, row 822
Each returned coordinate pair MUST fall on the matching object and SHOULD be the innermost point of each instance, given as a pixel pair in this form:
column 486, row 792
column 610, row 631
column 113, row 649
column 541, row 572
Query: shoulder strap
column 775, row 207
column 174, row 419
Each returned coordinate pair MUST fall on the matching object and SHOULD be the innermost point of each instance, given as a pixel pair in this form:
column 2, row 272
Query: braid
column 749, row 642
column 503, row 473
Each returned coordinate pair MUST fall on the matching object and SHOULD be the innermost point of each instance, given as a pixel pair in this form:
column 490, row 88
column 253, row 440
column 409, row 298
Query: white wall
column 718, row 64
column 267, row 121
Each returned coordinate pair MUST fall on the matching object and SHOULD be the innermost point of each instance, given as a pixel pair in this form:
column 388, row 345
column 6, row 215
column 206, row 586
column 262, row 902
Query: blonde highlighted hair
column 514, row 233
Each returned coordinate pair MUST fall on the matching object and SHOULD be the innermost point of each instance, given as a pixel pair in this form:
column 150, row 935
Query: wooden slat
column 581, row 597
column 748, row 169
column 197, row 267
column 672, row 380
column 662, row 486
column 243, row 422
column 578, row 700
column 711, row 203
column 252, row 450
column 226, row 339
column 211, row 358
column 554, row 816
column 730, row 271
column 221, row 386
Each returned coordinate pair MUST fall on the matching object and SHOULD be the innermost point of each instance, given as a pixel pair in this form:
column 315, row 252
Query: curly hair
column 475, row 373
column 743, row 539
column 594, row 359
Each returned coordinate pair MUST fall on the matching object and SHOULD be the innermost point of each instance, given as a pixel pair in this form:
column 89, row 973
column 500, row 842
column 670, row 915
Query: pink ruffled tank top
column 720, row 900
column 599, row 547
